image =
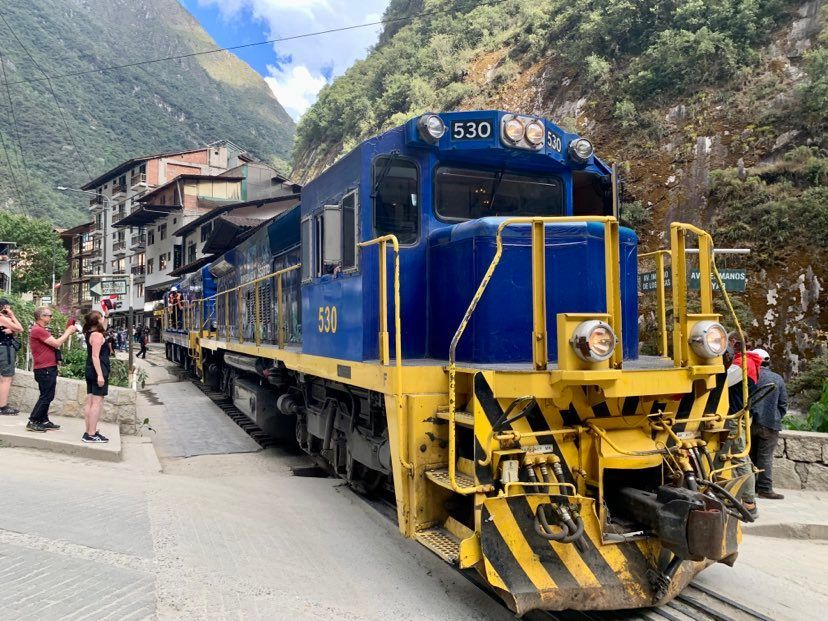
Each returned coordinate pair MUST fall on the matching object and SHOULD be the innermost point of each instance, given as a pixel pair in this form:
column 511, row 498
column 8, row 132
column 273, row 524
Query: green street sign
column 733, row 280
column 648, row 281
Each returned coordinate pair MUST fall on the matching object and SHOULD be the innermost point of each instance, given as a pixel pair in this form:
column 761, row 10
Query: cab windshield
column 468, row 194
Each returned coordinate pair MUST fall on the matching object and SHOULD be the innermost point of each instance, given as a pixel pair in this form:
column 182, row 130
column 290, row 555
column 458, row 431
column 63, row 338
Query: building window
column 139, row 290
column 163, row 259
column 150, row 265
column 191, row 252
column 150, row 237
column 205, row 231
column 138, row 259
column 162, row 232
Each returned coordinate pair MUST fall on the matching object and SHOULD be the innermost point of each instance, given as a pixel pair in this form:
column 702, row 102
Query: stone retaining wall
column 801, row 461
column 70, row 395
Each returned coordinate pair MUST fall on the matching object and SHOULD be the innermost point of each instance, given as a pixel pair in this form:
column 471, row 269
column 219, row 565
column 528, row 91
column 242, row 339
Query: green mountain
column 117, row 114
column 714, row 110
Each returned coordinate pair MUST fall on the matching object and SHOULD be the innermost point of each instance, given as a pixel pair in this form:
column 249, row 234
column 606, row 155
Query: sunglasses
column 45, row 315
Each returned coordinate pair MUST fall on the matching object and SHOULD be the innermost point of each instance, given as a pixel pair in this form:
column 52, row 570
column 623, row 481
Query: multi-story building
column 121, row 249
column 81, row 246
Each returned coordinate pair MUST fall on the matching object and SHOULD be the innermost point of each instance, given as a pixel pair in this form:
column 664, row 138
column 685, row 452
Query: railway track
column 696, row 603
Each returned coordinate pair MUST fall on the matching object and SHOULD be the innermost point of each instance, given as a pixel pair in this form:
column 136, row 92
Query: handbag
column 58, row 355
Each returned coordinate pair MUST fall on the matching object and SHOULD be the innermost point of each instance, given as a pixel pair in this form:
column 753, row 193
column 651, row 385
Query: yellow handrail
column 661, row 297
column 612, row 267
column 383, row 242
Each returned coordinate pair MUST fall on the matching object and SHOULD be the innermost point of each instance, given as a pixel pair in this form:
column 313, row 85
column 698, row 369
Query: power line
column 258, row 43
column 11, row 170
column 54, row 96
column 21, row 158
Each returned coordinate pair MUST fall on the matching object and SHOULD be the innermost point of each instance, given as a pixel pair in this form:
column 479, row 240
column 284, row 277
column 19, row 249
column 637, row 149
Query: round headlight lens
column 593, row 341
column 580, row 150
column 431, row 127
column 513, row 130
column 534, row 133
column 708, row 339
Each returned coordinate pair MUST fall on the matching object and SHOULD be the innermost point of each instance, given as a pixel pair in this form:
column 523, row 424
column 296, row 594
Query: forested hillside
column 715, row 111
column 115, row 115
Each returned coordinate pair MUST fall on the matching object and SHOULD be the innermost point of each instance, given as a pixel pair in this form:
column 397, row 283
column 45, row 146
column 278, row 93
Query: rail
column 384, row 352
column 539, row 341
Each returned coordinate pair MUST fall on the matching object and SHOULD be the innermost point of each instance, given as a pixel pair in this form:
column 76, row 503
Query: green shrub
column 626, row 113
column 806, row 386
column 817, row 419
column 74, row 366
column 597, row 68
column 635, row 215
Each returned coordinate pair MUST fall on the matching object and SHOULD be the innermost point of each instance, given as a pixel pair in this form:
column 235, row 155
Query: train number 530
column 327, row 319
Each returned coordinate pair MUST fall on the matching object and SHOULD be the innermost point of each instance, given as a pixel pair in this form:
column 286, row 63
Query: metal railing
column 138, row 179
column 539, row 345
column 119, row 246
column 384, row 345
column 661, row 299
column 137, row 270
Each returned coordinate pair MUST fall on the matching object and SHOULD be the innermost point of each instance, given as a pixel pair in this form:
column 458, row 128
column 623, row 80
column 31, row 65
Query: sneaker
column 92, row 439
column 771, row 495
column 33, row 426
column 51, row 426
column 103, row 438
column 8, row 410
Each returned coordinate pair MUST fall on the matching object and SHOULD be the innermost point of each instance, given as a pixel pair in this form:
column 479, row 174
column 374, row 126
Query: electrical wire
column 21, row 157
column 11, row 169
column 54, row 96
column 306, row 35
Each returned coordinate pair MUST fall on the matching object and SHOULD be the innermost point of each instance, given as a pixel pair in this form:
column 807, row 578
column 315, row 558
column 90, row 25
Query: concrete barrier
column 70, row 395
column 801, row 461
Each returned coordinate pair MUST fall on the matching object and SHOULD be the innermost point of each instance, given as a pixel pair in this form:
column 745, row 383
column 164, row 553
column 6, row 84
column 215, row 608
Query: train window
column 331, row 239
column 349, row 231
column 307, row 267
column 468, row 194
column 396, row 199
column 591, row 194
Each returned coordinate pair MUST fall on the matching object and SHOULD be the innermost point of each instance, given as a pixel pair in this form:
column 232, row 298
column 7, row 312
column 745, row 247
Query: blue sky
column 294, row 70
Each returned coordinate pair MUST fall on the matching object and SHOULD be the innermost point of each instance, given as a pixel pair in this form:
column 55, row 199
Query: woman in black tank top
column 97, row 374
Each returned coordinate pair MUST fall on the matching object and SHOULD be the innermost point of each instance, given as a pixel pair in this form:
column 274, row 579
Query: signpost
column 109, row 287
column 46, row 300
column 118, row 286
column 733, row 280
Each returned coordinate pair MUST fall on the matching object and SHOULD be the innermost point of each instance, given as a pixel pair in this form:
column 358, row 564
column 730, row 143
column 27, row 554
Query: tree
column 41, row 252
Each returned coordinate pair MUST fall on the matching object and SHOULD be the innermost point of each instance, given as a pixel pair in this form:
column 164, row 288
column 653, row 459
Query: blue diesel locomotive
column 451, row 314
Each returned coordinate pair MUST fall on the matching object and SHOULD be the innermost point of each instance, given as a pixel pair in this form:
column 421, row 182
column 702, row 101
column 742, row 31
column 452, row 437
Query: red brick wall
column 173, row 170
column 152, row 172
column 196, row 157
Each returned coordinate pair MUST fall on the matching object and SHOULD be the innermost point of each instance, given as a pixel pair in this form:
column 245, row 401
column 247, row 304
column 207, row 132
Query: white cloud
column 295, row 88
column 297, row 81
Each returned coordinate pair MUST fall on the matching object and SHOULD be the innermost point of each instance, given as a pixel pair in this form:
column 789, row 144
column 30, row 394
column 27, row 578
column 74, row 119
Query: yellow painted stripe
column 508, row 527
column 569, row 555
column 615, row 558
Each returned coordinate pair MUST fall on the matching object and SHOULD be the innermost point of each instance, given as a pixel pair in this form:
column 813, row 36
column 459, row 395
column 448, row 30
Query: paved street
column 237, row 536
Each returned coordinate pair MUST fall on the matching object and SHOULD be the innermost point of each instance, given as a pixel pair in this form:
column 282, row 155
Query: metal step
column 440, row 476
column 464, row 419
column 442, row 543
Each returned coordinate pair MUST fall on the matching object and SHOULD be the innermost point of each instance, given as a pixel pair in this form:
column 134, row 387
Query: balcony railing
column 119, row 246
column 138, row 179
column 138, row 241
column 137, row 270
column 95, row 202
column 119, row 189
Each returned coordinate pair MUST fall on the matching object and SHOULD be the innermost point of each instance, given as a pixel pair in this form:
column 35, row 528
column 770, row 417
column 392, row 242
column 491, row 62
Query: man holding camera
column 9, row 327
column 45, row 350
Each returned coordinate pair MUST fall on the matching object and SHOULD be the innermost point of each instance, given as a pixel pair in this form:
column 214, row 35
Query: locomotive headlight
column 580, row 150
column 513, row 130
column 708, row 339
column 593, row 341
column 534, row 133
column 431, row 128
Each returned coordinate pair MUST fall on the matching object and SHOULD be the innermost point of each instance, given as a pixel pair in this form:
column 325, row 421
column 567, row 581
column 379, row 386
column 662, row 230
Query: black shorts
column 92, row 387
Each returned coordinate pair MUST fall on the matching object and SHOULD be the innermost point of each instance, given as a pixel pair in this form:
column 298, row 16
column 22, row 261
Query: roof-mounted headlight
column 534, row 133
column 708, row 339
column 580, row 150
column 513, row 130
column 431, row 128
column 593, row 341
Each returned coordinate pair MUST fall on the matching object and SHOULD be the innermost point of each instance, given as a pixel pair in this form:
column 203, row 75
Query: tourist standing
column 44, row 349
column 766, row 425
column 97, row 375
column 9, row 326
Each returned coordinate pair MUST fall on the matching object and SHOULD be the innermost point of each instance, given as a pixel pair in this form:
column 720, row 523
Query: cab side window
column 396, row 199
column 349, row 231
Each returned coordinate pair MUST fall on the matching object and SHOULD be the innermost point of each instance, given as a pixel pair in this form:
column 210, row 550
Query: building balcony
column 138, row 272
column 137, row 242
column 119, row 247
column 119, row 190
column 96, row 202
column 138, row 180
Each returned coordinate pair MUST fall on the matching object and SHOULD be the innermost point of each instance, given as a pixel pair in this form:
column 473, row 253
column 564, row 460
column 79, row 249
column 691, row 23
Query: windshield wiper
column 495, row 187
column 385, row 168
